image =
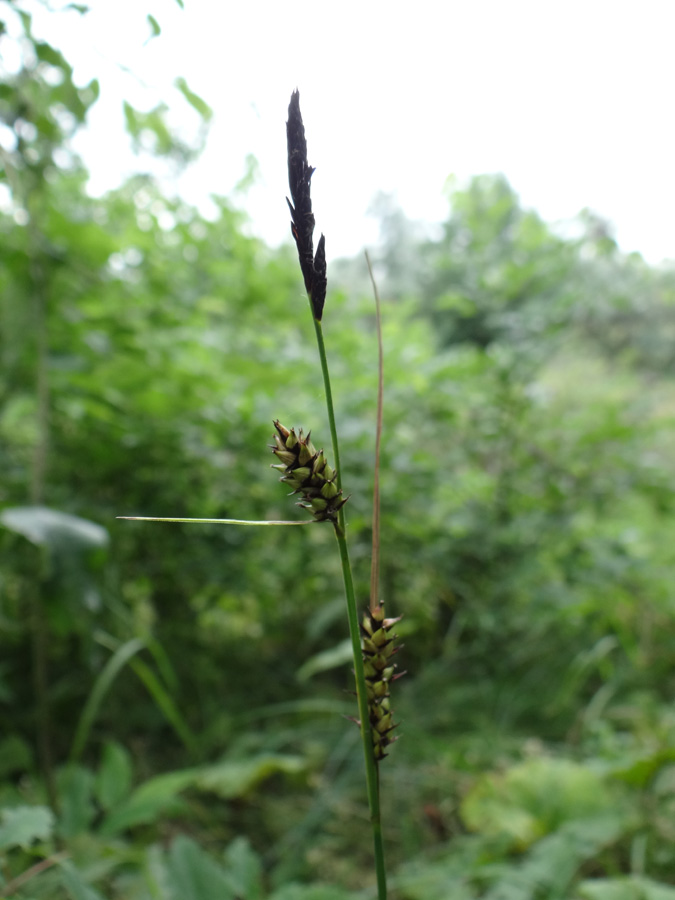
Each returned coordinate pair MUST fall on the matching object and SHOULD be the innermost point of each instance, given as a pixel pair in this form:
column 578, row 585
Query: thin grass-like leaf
column 165, row 703
column 101, row 687
column 163, row 663
column 375, row 559
column 216, row 521
column 160, row 693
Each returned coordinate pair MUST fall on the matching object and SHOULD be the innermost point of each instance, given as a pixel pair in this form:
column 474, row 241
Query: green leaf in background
column 553, row 863
column 48, row 54
column 238, row 777
column 197, row 876
column 195, row 101
column 244, row 869
column 113, row 779
column 15, row 755
column 187, row 872
column 326, row 660
column 627, row 888
column 151, row 132
column 229, row 779
column 431, row 878
column 75, row 885
column 99, row 689
column 641, row 771
column 159, row 691
column 51, row 528
column 156, row 797
column 22, row 825
column 164, row 700
column 313, row 892
column 156, row 876
column 131, row 119
column 75, row 790
column 154, row 26
column 534, row 798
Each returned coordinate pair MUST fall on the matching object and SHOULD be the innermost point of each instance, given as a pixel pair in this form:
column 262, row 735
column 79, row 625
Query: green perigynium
column 308, row 472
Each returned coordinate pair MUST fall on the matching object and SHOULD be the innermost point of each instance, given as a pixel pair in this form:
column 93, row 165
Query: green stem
column 372, row 780
column 329, row 408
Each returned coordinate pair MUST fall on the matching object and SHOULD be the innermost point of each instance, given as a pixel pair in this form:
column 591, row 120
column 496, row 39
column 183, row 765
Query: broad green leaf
column 534, row 798
column 154, row 798
column 229, row 779
column 328, row 659
column 238, row 777
column 244, row 869
column 156, row 873
column 53, row 529
column 76, row 808
column 197, row 876
column 15, row 755
column 113, row 779
column 640, row 772
column 313, row 892
column 47, row 53
column 22, row 825
column 627, row 888
column 75, row 884
column 421, row 878
column 553, row 863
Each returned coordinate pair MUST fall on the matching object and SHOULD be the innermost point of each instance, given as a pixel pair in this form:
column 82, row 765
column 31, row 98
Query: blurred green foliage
column 171, row 696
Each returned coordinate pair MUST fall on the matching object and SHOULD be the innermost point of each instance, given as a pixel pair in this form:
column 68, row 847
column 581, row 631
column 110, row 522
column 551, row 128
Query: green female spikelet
column 378, row 652
column 307, row 471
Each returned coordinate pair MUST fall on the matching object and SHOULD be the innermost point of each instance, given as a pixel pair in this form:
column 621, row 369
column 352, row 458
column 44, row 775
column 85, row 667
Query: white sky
column 572, row 100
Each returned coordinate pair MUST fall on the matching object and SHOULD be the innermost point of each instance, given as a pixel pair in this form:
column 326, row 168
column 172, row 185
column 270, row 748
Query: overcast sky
column 572, row 100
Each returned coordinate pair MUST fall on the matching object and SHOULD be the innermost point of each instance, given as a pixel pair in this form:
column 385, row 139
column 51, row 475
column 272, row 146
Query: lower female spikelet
column 307, row 471
column 378, row 651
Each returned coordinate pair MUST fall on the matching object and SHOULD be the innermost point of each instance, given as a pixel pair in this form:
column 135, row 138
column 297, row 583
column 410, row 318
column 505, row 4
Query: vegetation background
column 171, row 697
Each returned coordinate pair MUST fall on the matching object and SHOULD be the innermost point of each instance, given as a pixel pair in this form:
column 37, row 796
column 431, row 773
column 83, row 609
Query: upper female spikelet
column 307, row 471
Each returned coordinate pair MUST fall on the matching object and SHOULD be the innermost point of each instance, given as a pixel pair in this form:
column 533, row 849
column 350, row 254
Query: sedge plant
column 310, row 474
